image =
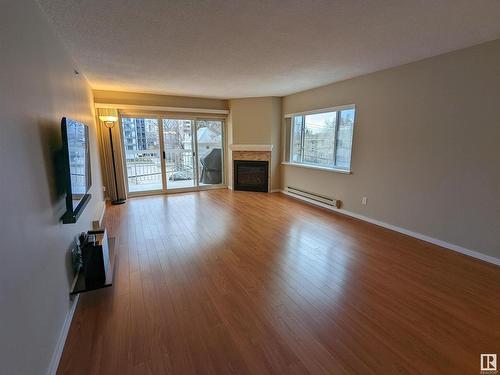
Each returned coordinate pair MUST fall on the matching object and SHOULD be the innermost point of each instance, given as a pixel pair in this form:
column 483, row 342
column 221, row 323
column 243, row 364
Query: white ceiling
column 238, row 48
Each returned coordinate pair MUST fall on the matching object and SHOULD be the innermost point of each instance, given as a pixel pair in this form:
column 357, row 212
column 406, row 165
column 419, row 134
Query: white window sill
column 316, row 167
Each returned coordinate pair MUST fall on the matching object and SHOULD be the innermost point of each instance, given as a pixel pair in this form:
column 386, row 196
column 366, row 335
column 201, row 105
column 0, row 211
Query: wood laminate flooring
column 222, row 282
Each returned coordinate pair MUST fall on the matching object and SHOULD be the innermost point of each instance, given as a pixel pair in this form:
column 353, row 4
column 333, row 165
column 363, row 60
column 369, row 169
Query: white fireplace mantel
column 242, row 147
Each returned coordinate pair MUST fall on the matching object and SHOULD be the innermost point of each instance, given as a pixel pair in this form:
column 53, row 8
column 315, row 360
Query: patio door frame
column 160, row 116
column 194, row 153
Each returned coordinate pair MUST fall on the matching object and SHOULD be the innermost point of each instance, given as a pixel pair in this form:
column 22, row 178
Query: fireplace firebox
column 251, row 175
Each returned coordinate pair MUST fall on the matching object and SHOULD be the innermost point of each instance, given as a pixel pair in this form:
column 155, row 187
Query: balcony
column 144, row 171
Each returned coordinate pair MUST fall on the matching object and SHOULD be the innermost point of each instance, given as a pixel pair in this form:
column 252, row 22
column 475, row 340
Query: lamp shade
column 108, row 114
column 108, row 118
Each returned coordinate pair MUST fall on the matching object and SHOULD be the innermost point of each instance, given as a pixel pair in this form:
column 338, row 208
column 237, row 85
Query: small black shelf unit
column 79, row 285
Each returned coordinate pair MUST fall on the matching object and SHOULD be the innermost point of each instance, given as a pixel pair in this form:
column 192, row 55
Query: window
column 323, row 139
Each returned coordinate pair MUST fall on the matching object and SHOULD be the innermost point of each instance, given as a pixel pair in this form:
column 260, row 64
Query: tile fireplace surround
column 256, row 153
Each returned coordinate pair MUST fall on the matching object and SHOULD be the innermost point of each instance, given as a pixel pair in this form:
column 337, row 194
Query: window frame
column 301, row 164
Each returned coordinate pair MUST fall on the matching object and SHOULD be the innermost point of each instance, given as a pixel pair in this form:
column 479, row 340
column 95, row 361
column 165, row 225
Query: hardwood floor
column 221, row 282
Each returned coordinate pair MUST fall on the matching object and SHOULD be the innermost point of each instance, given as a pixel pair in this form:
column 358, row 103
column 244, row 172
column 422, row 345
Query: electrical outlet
column 104, row 188
column 363, row 201
column 96, row 225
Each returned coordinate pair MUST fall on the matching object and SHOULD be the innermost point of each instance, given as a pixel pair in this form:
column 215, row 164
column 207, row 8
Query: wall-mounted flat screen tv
column 75, row 139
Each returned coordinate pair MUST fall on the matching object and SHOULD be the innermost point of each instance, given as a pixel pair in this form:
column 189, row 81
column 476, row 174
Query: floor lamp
column 109, row 122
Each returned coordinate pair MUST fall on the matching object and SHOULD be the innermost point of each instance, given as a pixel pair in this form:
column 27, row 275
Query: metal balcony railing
column 144, row 166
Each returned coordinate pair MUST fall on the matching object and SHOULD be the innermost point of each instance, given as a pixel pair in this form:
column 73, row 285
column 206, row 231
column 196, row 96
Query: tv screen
column 75, row 137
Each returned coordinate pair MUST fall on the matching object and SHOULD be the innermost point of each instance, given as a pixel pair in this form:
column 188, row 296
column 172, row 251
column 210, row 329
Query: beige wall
column 257, row 121
column 38, row 87
column 117, row 97
column 426, row 148
column 252, row 120
column 276, row 142
column 228, row 161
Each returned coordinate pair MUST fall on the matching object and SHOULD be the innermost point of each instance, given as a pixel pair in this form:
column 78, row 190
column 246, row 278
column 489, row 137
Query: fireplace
column 251, row 175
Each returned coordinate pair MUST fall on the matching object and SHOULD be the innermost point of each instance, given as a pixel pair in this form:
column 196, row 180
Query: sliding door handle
column 164, row 156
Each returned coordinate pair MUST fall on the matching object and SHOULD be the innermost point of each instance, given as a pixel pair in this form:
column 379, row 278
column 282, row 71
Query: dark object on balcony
column 251, row 175
column 211, row 167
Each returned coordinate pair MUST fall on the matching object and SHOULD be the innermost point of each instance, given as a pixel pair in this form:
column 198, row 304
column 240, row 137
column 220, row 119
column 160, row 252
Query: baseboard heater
column 315, row 197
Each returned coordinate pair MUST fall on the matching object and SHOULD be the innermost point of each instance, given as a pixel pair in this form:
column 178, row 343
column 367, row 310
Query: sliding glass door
column 166, row 154
column 178, row 155
column 142, row 153
column 209, row 151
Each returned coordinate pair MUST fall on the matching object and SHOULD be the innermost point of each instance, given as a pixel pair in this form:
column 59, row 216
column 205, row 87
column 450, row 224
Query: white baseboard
column 96, row 224
column 56, row 356
column 423, row 237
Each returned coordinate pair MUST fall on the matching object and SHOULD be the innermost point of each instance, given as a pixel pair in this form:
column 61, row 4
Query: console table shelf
column 79, row 285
